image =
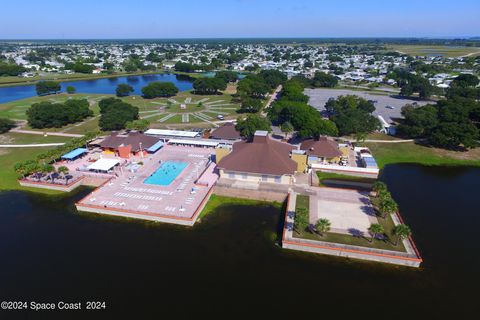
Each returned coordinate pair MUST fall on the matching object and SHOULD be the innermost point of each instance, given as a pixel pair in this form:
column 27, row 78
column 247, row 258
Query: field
column 184, row 109
column 10, row 156
column 409, row 152
column 446, row 51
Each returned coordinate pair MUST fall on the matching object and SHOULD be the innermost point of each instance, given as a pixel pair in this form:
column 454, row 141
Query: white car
column 390, row 107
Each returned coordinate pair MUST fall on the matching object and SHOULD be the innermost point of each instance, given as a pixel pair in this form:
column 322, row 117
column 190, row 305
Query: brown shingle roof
column 324, row 148
column 227, row 132
column 262, row 156
column 132, row 138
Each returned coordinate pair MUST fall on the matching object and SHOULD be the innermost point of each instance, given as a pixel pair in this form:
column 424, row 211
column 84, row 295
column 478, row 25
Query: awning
column 74, row 153
column 103, row 164
column 194, row 142
column 155, row 147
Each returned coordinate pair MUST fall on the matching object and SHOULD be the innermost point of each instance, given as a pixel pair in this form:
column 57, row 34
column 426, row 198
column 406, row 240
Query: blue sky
column 100, row 19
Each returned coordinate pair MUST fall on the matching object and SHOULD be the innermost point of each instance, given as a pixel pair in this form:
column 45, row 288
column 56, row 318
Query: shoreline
column 93, row 77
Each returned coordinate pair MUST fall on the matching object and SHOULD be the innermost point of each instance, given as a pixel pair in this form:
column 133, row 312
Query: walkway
column 31, row 145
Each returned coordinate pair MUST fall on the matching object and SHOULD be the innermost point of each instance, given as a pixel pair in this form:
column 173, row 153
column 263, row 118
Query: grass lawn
column 342, row 177
column 8, row 158
column 216, row 202
column 22, row 138
column 409, row 152
column 423, row 50
column 303, row 202
column 212, row 105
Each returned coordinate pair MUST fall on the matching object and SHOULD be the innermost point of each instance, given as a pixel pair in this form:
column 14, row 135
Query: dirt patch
column 473, row 154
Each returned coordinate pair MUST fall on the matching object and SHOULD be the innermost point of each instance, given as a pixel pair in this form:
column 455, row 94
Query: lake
column 230, row 264
column 100, row 86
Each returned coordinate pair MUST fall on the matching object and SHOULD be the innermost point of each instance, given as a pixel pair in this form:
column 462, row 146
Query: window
column 244, row 176
column 264, row 177
column 278, row 179
column 231, row 175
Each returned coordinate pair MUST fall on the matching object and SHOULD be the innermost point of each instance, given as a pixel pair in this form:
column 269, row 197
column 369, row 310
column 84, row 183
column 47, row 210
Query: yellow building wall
column 220, row 153
column 301, row 160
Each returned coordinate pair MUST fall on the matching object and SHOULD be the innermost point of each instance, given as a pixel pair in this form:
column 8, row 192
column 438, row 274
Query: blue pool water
column 100, row 86
column 167, row 172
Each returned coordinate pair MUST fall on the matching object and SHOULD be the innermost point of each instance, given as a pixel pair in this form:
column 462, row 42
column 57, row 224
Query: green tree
column 252, row 123
column 115, row 114
column 286, row 128
column 64, row 172
column 322, row 226
column 322, row 79
column 47, row 87
column 401, row 231
column 71, row 89
column 209, row 85
column 139, row 125
column 301, row 219
column 379, row 186
column 375, row 230
column 250, row 105
column 6, row 124
column 227, row 76
column 123, row 90
column 159, row 89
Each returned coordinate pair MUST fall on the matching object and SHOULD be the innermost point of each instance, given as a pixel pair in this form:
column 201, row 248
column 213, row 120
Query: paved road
column 31, row 145
column 273, row 97
column 58, row 134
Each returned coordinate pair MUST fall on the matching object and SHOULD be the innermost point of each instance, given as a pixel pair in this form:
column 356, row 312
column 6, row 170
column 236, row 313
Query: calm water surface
column 100, row 86
column 230, row 264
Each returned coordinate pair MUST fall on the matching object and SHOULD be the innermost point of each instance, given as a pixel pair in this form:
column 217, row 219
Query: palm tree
column 21, row 169
column 301, row 219
column 322, row 226
column 286, row 128
column 64, row 171
column 402, row 231
column 378, row 187
column 47, row 168
column 375, row 229
column 387, row 206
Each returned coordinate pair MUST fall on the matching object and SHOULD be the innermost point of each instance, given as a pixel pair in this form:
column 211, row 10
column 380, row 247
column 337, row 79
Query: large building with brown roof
column 226, row 132
column 127, row 144
column 261, row 160
column 321, row 150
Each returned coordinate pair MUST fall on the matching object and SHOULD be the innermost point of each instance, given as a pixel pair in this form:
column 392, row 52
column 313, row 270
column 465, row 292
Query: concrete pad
column 349, row 211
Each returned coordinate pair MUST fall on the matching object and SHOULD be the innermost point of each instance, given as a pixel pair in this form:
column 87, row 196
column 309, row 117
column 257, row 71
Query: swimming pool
column 166, row 173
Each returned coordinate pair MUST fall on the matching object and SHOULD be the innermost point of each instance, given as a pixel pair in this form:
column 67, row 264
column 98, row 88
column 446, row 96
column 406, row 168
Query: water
column 100, row 86
column 230, row 264
column 166, row 173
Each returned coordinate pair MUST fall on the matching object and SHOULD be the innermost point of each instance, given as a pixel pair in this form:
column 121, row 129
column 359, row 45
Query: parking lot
column 318, row 98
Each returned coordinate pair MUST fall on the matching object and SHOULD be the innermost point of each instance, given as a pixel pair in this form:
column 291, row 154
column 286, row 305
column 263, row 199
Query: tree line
column 46, row 114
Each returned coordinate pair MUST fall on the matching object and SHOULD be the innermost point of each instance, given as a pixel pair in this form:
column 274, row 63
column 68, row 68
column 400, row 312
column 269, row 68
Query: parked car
column 390, row 107
column 220, row 117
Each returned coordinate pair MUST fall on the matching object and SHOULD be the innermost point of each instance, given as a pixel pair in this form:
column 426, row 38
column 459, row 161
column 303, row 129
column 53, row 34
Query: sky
column 120, row 19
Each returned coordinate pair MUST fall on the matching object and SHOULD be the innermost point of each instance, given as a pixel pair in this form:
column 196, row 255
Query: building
column 226, row 132
column 321, row 150
column 127, row 144
column 261, row 160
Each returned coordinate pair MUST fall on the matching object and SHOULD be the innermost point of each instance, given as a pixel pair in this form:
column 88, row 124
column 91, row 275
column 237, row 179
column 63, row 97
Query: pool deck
column 179, row 202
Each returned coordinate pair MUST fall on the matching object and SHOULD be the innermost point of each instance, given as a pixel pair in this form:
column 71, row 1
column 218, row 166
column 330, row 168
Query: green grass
column 409, row 152
column 422, row 50
column 216, row 202
column 17, row 109
column 387, row 223
column 342, row 177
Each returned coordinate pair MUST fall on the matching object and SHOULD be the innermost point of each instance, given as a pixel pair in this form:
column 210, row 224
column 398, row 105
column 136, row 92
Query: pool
column 166, row 173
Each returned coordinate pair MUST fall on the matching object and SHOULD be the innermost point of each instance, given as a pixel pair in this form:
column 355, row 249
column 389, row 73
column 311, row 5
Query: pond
column 100, row 86
column 230, row 263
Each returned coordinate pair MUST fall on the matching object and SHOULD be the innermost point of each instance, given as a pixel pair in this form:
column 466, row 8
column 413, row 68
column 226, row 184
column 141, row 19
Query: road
column 31, row 145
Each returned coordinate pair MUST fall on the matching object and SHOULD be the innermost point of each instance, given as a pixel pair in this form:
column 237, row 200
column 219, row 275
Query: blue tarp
column 74, row 153
column 155, row 147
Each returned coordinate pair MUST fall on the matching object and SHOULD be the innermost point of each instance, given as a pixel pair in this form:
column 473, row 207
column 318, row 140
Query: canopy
column 74, row 153
column 103, row 164
column 155, row 147
column 194, row 142
column 172, row 133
